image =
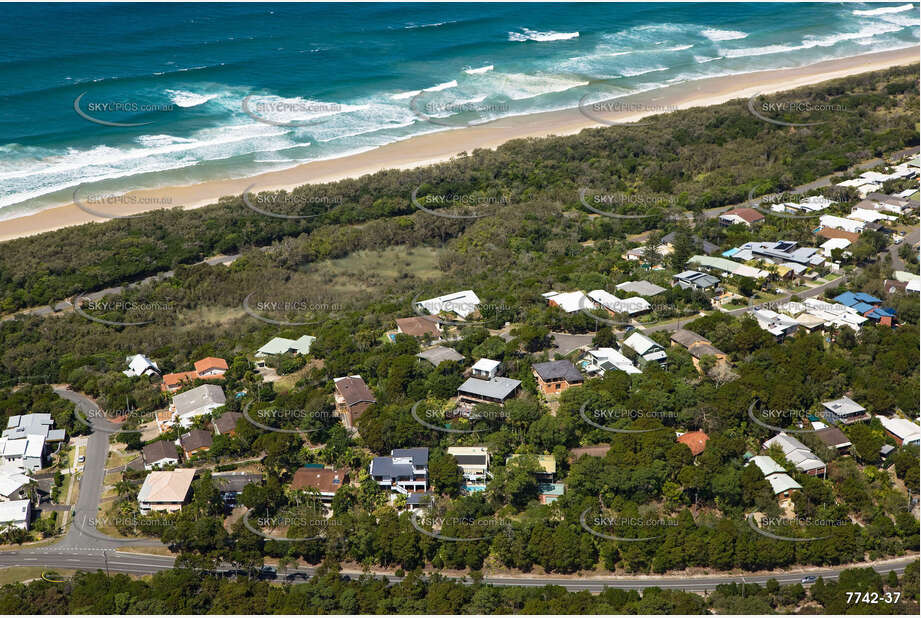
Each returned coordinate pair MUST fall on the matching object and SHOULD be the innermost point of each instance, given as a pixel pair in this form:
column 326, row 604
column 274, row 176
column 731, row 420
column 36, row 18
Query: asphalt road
column 140, row 564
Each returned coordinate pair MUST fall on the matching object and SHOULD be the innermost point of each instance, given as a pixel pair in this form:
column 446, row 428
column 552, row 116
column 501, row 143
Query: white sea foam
column 479, row 71
column 715, row 34
column 411, row 93
column 520, row 86
column 638, row 72
column 527, row 34
column 183, row 98
column 885, row 10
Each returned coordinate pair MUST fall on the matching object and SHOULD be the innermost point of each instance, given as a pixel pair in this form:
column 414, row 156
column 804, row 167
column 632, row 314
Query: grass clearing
column 351, row 273
column 12, row 575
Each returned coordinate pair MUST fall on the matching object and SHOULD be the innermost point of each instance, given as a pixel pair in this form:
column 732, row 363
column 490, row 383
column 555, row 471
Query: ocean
column 116, row 97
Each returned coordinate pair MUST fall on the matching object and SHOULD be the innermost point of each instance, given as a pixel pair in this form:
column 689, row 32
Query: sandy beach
column 443, row 145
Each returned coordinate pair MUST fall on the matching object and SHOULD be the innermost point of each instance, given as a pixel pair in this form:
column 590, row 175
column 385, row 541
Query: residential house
column 781, row 252
column 705, row 247
column 643, row 288
column 473, row 462
column 159, row 454
column 195, row 441
column 694, row 440
column 546, row 465
column 903, row 431
column 844, row 410
column 26, row 439
column 782, row 484
column 556, row 376
column 440, row 354
column 834, row 438
column 868, row 306
column 486, row 369
column 196, row 402
column 601, row 360
column 743, row 216
column 461, row 304
column 598, row 450
column 548, row 493
column 698, row 345
column 226, row 423
column 830, row 232
column 14, row 482
column 834, row 243
column 891, row 203
column 165, row 491
column 777, row 324
column 15, row 514
column 569, row 302
column 405, row 471
column 352, row 398
column 22, row 425
column 282, row 345
column 27, row 451
column 646, row 349
column 613, row 305
column 325, row 481
column 798, row 454
column 728, row 267
column 497, row 390
column 419, row 327
column 140, row 365
column 840, row 223
column 695, row 280
column 230, row 485
column 209, row 368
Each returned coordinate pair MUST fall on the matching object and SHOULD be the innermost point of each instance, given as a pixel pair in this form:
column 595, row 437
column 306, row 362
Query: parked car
column 809, row 579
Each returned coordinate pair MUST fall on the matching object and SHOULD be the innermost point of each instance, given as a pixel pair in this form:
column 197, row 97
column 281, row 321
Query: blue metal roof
column 861, row 308
column 867, row 298
column 848, row 299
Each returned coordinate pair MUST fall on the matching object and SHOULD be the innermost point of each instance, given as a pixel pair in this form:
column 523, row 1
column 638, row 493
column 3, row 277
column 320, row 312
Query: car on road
column 268, row 572
column 81, row 458
column 809, row 579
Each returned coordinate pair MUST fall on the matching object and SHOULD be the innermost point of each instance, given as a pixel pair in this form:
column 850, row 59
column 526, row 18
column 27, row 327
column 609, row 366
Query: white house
column 15, row 513
column 601, row 360
column 616, row 305
column 834, row 243
column 870, row 216
column 14, row 482
column 902, row 430
column 840, row 223
column 473, row 462
column 197, row 402
column 775, row 323
column 139, row 365
column 461, row 304
column 647, row 349
column 570, row 302
column 405, row 471
column 486, row 369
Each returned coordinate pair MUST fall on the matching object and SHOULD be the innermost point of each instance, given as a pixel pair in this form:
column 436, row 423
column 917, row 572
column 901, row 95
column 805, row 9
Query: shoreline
column 440, row 146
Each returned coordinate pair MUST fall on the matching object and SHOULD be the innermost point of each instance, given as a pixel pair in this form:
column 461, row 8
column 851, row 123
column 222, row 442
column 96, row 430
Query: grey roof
column 844, row 406
column 781, row 483
column 687, row 338
column 705, row 246
column 195, row 439
column 199, row 397
column 796, row 452
column 497, row 388
column 832, row 436
column 786, row 250
column 227, row 482
column 226, row 422
column 471, row 460
column 697, row 278
column 700, row 350
column 161, row 449
column 643, row 288
column 558, row 370
column 29, row 425
column 439, row 354
column 417, row 498
column 419, row 454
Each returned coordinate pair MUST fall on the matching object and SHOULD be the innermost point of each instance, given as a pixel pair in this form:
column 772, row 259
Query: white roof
column 767, row 465
column 617, row 305
column 14, row 511
column 281, row 345
column 782, row 482
column 641, row 343
column 903, row 428
column 13, row 447
column 570, row 302
column 835, row 243
column 614, row 357
column 138, row 364
column 11, row 479
column 485, row 364
column 876, row 177
column 796, row 452
column 849, row 225
column 914, row 285
column 864, row 214
column 461, row 303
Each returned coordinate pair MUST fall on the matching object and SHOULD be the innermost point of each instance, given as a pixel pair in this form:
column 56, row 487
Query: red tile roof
column 209, row 363
column 323, row 479
column 748, row 214
column 695, row 440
